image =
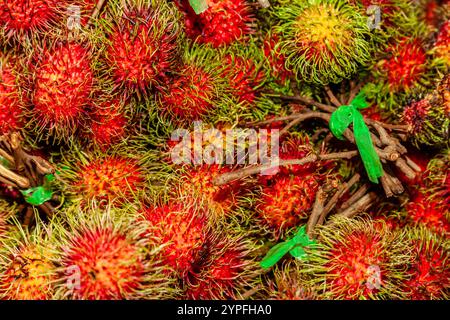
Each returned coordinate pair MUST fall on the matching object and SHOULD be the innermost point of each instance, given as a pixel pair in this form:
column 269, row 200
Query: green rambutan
column 227, row 269
column 62, row 88
column 19, row 18
column 222, row 23
column 103, row 256
column 142, row 44
column 358, row 259
column 11, row 96
column 181, row 228
column 323, row 40
column 429, row 271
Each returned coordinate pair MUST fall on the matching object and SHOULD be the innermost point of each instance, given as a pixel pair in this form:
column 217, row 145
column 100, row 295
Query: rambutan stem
column 316, row 211
column 364, row 203
column 332, row 97
column 248, row 171
column 355, row 196
column 309, row 101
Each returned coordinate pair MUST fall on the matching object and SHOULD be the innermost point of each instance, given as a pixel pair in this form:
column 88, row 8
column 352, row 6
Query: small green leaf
column 199, row 6
column 37, row 195
column 275, row 254
column 298, row 252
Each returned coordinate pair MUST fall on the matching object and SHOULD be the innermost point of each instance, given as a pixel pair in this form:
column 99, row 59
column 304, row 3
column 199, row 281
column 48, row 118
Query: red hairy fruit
column 287, row 200
column 442, row 44
column 191, row 94
column 429, row 272
column 416, row 113
column 430, row 212
column 182, row 231
column 28, row 16
column 244, row 77
column 108, row 125
column 222, row 23
column 276, row 59
column 63, row 86
column 142, row 49
column 406, row 65
column 217, row 279
column 109, row 177
column 28, row 276
column 109, row 265
column 11, row 98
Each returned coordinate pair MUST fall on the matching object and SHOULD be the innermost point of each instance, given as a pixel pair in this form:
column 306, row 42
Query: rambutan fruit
column 358, row 259
column 104, row 257
column 199, row 181
column 437, row 179
column 226, row 271
column 222, row 23
column 142, row 44
column 11, row 96
column 181, row 228
column 429, row 211
column 442, row 44
column 323, row 40
column 287, row 200
column 27, row 266
column 107, row 125
column 62, row 89
column 288, row 283
column 275, row 60
column 19, row 18
column 95, row 177
column 244, row 75
column 429, row 271
column 197, row 88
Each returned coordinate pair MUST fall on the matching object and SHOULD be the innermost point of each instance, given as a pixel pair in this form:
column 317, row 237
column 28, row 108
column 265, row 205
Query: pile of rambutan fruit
column 93, row 205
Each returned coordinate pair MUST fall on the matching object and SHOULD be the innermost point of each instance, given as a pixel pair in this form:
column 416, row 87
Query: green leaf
column 199, row 6
column 298, row 252
column 37, row 195
column 275, row 254
column 359, row 101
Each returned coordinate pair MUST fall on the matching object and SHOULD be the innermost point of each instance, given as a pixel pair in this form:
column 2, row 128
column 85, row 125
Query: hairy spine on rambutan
column 12, row 98
column 104, row 257
column 227, row 269
column 181, row 228
column 197, row 88
column 323, row 40
column 28, row 269
column 20, row 19
column 222, row 23
column 358, row 259
column 143, row 44
column 62, row 88
column 442, row 44
column 429, row 271
column 111, row 178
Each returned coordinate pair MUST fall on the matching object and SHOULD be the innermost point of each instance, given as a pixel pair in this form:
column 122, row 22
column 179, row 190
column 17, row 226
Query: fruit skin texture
column 107, row 178
column 63, row 86
column 28, row 274
column 11, row 97
column 224, row 22
column 143, row 46
column 442, row 44
column 110, row 267
column 323, row 41
column 359, row 259
column 182, row 228
column 429, row 271
column 26, row 17
column 287, row 201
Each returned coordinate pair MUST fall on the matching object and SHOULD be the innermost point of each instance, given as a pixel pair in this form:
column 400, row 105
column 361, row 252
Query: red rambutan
column 25, row 17
column 287, row 200
column 143, row 45
column 11, row 98
column 429, row 272
column 108, row 178
column 442, row 44
column 62, row 88
column 182, row 229
column 406, row 65
column 276, row 60
column 359, row 259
